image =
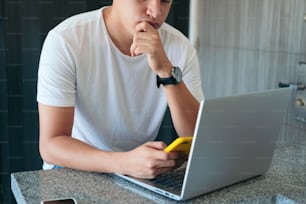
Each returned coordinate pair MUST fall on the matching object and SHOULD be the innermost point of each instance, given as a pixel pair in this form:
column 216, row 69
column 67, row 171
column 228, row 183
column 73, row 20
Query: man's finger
column 144, row 27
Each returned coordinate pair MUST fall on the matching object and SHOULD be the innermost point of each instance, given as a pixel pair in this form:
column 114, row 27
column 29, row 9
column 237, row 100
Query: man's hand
column 149, row 160
column 147, row 41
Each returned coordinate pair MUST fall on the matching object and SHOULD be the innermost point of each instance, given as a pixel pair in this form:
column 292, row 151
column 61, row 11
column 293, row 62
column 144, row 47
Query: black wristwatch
column 175, row 78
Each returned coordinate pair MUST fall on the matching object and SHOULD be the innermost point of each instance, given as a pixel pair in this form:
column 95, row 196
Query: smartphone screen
column 59, row 201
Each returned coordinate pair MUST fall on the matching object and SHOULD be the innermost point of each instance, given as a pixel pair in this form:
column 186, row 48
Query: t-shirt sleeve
column 181, row 53
column 56, row 84
column 192, row 75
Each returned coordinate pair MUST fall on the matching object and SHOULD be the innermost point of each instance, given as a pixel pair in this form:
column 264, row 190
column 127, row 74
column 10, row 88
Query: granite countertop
column 285, row 183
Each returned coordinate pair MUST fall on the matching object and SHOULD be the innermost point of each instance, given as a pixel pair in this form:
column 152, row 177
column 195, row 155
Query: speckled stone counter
column 285, row 183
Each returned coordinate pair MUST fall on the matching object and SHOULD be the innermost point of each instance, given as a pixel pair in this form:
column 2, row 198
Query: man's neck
column 120, row 38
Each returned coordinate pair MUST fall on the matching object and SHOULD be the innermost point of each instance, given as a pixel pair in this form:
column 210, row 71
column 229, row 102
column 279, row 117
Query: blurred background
column 243, row 46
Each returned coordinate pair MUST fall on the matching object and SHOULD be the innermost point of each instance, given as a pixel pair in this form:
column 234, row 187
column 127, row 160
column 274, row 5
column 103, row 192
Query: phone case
column 180, row 144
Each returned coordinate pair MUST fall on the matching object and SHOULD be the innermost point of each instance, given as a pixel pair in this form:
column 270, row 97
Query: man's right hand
column 149, row 160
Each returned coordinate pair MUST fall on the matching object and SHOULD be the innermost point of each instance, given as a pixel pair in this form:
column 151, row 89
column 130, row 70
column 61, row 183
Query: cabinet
column 247, row 45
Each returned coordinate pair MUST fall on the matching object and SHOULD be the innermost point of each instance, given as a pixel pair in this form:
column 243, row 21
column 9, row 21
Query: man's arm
column 58, row 147
column 183, row 107
column 182, row 104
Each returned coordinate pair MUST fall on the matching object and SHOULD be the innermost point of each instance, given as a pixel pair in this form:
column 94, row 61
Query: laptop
column 234, row 140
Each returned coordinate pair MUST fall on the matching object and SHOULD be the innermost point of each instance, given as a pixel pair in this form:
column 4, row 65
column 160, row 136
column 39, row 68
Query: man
column 99, row 105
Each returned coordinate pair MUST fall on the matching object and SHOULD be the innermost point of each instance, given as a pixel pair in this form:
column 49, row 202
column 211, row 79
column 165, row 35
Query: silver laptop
column 234, row 140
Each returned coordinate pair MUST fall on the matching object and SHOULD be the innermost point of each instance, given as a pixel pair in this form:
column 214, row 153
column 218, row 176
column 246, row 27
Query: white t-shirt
column 117, row 104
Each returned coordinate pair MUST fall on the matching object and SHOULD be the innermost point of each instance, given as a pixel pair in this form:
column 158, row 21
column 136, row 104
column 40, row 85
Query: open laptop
column 234, row 140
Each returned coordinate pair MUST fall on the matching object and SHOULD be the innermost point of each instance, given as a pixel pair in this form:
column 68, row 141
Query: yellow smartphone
column 180, row 144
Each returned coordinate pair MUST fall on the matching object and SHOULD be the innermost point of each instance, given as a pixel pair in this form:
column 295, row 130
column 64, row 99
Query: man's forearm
column 183, row 107
column 72, row 153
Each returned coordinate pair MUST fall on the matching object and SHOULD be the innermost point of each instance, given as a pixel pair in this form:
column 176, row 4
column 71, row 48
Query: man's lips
column 155, row 25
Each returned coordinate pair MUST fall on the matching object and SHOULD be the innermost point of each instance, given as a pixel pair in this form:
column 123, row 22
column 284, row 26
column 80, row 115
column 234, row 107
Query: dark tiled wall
column 23, row 27
column 3, row 102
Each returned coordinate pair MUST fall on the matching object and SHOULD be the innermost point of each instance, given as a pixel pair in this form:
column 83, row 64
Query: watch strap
column 174, row 78
column 165, row 81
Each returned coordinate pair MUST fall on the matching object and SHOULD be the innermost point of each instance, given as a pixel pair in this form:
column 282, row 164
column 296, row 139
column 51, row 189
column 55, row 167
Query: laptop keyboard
column 173, row 180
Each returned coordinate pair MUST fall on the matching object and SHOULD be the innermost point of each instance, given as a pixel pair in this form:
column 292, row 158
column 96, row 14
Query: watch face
column 177, row 74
